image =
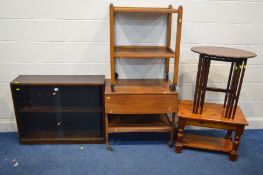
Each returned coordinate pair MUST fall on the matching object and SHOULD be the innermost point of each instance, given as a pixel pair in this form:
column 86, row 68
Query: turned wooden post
column 172, row 131
column 106, row 129
column 229, row 134
column 180, row 134
column 238, row 133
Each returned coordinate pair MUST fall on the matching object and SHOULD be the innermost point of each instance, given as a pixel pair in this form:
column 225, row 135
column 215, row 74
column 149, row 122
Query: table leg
column 197, row 85
column 201, row 80
column 232, row 91
column 229, row 134
column 240, row 85
column 167, row 64
column 180, row 134
column 239, row 68
column 106, row 129
column 172, row 130
column 206, row 73
column 238, row 133
column 228, row 84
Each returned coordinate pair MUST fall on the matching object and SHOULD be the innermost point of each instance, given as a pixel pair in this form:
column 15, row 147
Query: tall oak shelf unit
column 142, row 105
column 147, row 52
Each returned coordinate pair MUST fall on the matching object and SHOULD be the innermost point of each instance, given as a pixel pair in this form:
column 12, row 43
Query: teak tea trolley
column 139, row 106
column 142, row 105
column 147, row 52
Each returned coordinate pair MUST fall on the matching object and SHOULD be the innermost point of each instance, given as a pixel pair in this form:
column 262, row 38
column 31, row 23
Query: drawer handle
column 108, row 98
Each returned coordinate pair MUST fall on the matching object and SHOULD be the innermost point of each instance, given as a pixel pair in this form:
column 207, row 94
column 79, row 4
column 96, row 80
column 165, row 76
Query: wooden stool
column 212, row 117
column 238, row 59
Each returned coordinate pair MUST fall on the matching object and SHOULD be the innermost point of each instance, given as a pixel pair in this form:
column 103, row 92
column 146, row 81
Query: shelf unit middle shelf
column 67, row 109
column 143, row 52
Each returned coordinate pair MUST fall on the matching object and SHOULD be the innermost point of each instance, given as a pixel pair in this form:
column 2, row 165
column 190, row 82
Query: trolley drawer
column 141, row 104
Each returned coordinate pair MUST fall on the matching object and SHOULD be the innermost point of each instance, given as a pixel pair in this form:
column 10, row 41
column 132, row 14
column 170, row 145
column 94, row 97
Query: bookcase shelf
column 143, row 52
column 144, row 10
column 52, row 109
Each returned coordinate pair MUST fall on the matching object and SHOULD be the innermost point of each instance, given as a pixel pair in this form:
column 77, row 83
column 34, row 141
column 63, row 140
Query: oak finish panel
column 140, row 104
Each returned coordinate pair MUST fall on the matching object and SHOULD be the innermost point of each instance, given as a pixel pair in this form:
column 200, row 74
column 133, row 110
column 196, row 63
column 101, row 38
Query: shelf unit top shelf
column 85, row 80
column 143, row 52
column 144, row 10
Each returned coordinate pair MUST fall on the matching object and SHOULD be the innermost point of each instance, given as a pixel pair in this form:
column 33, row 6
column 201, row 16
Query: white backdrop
column 72, row 37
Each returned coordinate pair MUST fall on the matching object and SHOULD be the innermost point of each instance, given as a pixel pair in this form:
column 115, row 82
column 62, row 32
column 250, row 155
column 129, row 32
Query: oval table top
column 224, row 52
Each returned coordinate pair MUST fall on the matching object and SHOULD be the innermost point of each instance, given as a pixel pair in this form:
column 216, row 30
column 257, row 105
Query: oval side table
column 237, row 58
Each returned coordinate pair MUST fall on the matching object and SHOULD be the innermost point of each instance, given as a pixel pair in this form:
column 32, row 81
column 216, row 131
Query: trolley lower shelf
column 139, row 123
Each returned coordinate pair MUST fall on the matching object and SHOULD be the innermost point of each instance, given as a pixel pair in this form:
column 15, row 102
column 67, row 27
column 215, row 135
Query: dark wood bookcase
column 59, row 108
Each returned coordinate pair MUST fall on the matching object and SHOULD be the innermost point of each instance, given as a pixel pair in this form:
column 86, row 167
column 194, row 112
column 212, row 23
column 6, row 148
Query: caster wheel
column 116, row 75
column 113, row 88
column 167, row 76
column 178, row 149
column 172, row 88
column 109, row 148
column 170, row 144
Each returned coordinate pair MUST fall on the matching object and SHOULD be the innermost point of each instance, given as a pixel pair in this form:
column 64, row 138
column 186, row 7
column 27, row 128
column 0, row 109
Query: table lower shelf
column 207, row 143
column 139, row 123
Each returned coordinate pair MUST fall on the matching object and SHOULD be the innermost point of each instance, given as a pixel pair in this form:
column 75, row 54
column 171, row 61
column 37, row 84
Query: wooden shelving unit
column 59, row 108
column 163, row 52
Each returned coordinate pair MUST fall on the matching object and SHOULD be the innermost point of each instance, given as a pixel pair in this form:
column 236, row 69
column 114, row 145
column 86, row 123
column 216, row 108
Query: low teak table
column 212, row 117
